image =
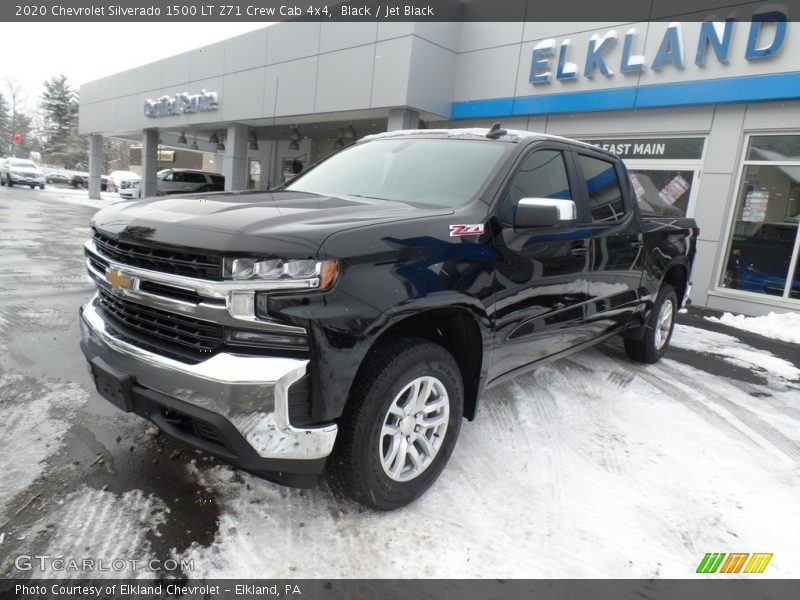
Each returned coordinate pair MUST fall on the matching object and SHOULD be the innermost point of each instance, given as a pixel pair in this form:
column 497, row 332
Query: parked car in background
column 21, row 171
column 81, row 180
column 56, row 177
column 121, row 180
column 181, row 181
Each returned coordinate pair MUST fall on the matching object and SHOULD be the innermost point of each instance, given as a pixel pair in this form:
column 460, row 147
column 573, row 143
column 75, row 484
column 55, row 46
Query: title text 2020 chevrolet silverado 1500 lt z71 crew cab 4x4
column 355, row 315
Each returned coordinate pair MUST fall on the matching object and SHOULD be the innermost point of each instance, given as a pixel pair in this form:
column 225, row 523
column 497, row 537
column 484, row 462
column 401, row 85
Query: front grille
column 98, row 264
column 168, row 291
column 186, row 338
column 158, row 289
column 155, row 258
column 171, row 331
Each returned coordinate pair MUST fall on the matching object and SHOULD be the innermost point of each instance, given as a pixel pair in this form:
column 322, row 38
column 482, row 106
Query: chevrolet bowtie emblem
column 118, row 280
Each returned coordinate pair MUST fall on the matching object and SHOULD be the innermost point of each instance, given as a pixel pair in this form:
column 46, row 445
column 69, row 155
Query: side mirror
column 544, row 212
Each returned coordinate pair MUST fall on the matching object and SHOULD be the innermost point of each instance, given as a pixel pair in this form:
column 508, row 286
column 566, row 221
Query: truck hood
column 287, row 224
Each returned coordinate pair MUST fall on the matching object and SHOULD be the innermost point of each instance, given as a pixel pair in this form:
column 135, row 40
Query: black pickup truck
column 353, row 317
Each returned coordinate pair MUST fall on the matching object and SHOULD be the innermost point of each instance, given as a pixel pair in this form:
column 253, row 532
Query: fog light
column 258, row 339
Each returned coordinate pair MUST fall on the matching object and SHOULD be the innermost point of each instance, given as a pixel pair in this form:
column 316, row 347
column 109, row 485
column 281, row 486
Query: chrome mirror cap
column 567, row 211
column 544, row 212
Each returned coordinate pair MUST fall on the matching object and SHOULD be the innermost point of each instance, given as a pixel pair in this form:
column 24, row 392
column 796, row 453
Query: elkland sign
column 181, row 104
column 715, row 38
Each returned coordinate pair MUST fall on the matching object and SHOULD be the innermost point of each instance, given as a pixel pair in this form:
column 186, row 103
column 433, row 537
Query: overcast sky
column 33, row 52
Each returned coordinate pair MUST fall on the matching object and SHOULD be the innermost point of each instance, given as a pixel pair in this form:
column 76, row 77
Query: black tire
column 41, row 187
column 33, row 187
column 355, row 467
column 9, row 182
column 655, row 342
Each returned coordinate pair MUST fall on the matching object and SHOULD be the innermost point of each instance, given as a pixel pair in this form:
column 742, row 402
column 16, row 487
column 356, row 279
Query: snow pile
column 732, row 350
column 778, row 326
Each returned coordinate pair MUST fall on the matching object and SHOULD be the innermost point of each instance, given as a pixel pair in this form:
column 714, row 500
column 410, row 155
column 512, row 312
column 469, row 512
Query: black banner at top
column 388, row 10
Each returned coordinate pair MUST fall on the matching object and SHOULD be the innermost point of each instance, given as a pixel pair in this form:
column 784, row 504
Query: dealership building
column 705, row 115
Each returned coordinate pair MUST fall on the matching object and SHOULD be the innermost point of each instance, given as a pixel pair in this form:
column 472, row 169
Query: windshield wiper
column 370, row 197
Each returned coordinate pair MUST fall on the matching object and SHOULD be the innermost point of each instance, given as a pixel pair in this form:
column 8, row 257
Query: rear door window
column 603, row 188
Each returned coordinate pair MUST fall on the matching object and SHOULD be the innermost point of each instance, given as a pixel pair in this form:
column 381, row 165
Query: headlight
column 297, row 274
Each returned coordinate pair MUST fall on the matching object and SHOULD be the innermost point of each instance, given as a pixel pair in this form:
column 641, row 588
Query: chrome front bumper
column 252, row 392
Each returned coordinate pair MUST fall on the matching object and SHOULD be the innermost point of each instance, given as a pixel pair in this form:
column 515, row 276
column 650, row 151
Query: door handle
column 637, row 245
column 579, row 251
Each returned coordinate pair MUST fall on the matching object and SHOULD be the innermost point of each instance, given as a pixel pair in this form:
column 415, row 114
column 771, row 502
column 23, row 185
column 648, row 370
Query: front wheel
column 400, row 424
column 658, row 328
column 9, row 182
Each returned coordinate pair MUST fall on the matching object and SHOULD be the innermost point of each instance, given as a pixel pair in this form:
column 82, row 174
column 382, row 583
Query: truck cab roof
column 481, row 133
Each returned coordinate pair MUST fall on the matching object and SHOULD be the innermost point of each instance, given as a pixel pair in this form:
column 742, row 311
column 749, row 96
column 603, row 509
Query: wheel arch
column 677, row 275
column 457, row 330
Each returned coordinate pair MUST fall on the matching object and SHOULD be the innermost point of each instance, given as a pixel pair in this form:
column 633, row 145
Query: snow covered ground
column 779, row 326
column 77, row 197
column 644, row 469
column 592, row 466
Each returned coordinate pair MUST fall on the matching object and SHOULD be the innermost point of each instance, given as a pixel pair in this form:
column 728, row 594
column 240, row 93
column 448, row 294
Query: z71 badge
column 461, row 230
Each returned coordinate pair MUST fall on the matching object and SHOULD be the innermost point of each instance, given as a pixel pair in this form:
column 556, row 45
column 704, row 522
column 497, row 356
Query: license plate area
column 112, row 385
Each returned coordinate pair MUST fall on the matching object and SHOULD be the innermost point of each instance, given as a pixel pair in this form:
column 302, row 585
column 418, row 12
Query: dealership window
column 664, row 172
column 254, row 174
column 763, row 251
column 662, row 192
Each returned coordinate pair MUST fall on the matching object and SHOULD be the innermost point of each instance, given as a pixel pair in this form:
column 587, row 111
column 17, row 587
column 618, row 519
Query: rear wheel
column 658, row 329
column 9, row 182
column 400, row 424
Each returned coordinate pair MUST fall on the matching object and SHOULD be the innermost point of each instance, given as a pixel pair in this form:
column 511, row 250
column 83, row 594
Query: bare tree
column 116, row 154
column 19, row 121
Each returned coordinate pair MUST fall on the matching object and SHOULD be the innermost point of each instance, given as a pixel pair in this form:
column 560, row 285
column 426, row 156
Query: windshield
column 436, row 172
column 22, row 163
